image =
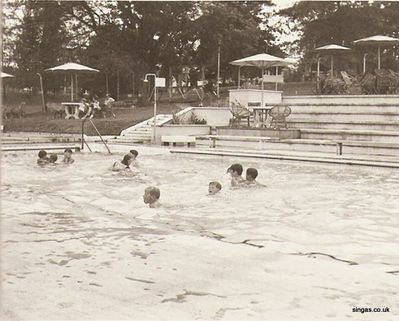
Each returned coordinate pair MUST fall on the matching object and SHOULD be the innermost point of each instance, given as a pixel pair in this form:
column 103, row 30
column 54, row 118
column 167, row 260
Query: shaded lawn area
column 36, row 121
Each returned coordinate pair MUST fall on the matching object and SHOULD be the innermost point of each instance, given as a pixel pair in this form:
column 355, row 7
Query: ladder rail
column 105, row 144
column 84, row 142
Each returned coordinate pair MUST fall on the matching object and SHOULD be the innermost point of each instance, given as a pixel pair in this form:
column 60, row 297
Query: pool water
column 315, row 243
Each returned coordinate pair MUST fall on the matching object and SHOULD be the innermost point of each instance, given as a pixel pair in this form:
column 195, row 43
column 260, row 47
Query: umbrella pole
column 379, row 57
column 71, row 87
column 262, row 88
column 318, row 75
column 76, row 86
column 239, row 76
column 332, row 66
column 364, row 63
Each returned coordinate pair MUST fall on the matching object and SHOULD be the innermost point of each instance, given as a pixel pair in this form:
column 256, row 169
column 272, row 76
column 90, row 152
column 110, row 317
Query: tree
column 341, row 23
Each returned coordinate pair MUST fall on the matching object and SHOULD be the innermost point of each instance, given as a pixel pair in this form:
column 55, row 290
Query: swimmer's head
column 252, row 174
column 214, row 187
column 235, row 170
column 68, row 152
column 151, row 195
column 42, row 154
column 127, row 160
column 134, row 153
column 53, row 158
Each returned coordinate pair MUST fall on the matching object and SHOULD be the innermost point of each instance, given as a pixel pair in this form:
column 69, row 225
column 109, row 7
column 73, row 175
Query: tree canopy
column 133, row 37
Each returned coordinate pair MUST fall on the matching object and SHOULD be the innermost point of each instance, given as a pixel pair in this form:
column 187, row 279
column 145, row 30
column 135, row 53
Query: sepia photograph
column 199, row 160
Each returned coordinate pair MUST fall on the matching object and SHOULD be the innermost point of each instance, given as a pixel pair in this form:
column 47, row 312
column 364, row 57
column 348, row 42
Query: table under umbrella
column 262, row 61
column 74, row 68
column 378, row 41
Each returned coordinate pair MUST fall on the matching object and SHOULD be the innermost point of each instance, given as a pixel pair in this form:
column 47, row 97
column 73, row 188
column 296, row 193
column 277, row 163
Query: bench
column 169, row 139
column 213, row 138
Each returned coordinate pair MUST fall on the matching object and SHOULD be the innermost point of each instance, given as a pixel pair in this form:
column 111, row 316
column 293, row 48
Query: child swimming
column 124, row 164
column 68, row 156
column 134, row 153
column 235, row 171
column 151, row 196
column 214, row 188
column 52, row 159
column 250, row 177
column 43, row 159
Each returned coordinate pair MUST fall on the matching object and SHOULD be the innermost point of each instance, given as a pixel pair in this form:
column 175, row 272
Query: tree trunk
column 106, row 84
column 170, row 83
column 133, row 84
column 117, row 85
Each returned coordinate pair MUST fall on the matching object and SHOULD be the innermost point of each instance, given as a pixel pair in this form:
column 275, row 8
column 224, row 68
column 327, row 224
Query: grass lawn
column 36, row 121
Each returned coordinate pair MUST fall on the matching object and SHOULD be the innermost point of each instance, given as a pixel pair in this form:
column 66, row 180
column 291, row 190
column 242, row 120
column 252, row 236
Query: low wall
column 283, row 134
column 182, row 130
column 214, row 116
column 243, row 96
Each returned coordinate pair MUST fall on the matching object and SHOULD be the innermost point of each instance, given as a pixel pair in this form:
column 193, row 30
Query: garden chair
column 368, row 84
column 352, row 85
column 394, row 81
column 279, row 116
column 239, row 113
column 14, row 111
column 383, row 81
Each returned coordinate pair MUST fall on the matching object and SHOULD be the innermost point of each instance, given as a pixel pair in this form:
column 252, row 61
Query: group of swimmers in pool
column 45, row 159
column 152, row 194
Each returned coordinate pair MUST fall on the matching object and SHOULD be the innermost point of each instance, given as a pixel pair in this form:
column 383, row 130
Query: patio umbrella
column 378, row 41
column 74, row 68
column 5, row 75
column 330, row 49
column 262, row 61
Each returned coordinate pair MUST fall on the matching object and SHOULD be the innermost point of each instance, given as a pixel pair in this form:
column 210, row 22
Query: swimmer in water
column 235, row 171
column 134, row 153
column 214, row 188
column 52, row 159
column 68, row 156
column 124, row 164
column 250, row 177
column 151, row 196
column 43, row 159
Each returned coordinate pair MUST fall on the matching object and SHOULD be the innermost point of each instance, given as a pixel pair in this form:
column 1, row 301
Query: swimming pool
column 79, row 243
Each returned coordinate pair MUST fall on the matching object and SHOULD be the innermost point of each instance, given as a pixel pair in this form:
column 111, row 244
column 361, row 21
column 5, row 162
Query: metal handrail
column 84, row 141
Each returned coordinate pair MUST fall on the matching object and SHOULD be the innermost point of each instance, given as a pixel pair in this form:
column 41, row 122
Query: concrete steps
column 348, row 134
column 318, row 124
column 325, row 116
column 142, row 132
column 374, row 113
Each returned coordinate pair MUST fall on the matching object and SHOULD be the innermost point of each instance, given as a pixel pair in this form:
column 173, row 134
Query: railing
column 95, row 128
